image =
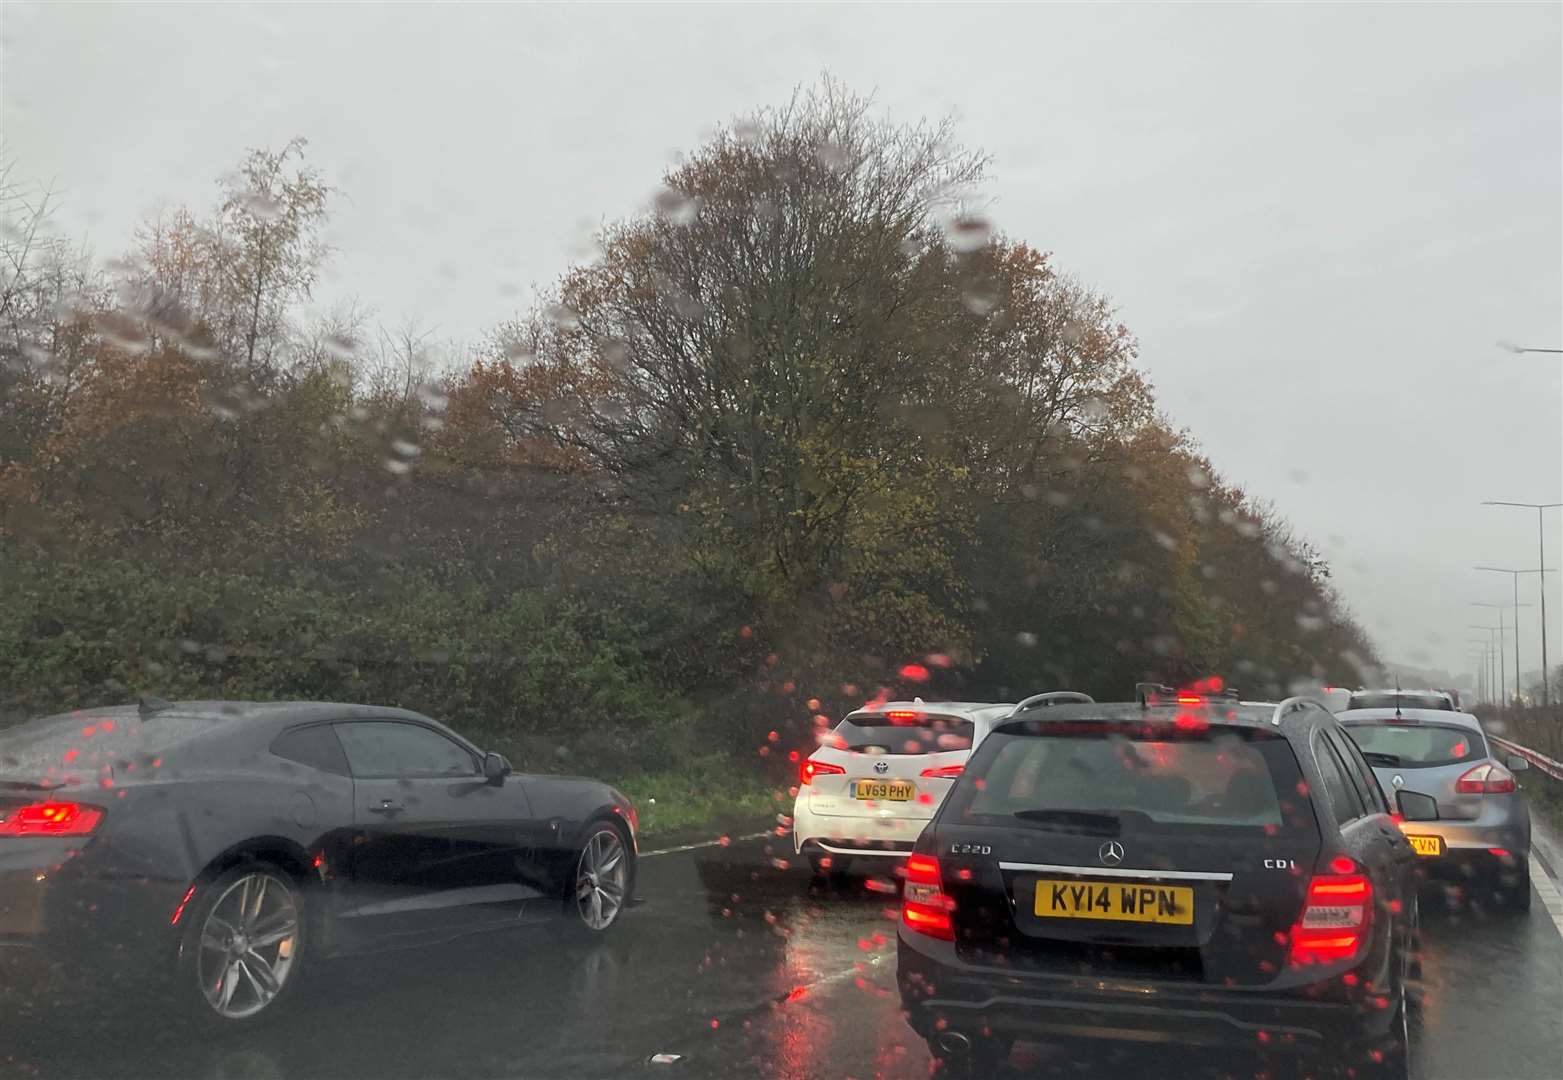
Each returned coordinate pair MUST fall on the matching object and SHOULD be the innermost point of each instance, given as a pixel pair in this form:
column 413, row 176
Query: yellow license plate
column 1132, row 901
column 890, row 790
column 1427, row 845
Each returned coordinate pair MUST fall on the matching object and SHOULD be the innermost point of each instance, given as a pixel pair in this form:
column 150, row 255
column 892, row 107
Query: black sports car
column 231, row 843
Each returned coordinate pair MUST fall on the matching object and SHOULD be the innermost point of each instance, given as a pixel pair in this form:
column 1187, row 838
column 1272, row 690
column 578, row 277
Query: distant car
column 1480, row 835
column 227, row 845
column 1438, row 700
column 880, row 775
column 1171, row 871
column 1336, row 698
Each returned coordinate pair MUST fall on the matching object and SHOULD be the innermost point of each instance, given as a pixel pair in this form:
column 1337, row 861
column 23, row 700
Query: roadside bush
column 503, row 670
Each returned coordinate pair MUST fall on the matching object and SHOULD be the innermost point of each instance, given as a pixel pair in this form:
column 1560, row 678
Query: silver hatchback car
column 1471, row 825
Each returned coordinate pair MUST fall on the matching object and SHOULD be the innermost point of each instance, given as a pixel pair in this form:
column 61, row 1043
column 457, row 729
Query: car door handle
column 386, row 806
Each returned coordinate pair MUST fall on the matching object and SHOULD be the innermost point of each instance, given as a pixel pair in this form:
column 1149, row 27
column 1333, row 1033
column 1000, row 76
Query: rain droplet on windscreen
column 675, row 207
column 966, row 234
column 563, row 316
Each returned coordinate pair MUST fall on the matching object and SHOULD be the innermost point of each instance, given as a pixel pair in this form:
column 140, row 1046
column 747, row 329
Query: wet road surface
column 743, row 968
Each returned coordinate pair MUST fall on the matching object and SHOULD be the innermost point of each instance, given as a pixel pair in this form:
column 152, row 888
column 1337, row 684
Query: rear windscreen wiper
column 1385, row 761
column 1077, row 820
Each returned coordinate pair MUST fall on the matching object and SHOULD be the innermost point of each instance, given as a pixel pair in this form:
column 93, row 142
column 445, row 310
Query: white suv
column 880, row 775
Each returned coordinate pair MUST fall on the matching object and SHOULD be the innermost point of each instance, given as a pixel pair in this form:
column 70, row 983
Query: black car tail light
column 924, row 907
column 1335, row 917
column 50, row 819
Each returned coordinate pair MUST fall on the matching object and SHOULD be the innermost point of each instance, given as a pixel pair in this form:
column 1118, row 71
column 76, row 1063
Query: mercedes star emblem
column 881, row 766
column 1111, row 853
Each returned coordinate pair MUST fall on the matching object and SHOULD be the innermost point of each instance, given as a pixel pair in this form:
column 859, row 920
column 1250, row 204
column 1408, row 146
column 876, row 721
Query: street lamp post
column 1501, row 609
column 1480, row 655
column 1541, row 571
column 1501, row 663
column 1515, row 577
column 1503, row 693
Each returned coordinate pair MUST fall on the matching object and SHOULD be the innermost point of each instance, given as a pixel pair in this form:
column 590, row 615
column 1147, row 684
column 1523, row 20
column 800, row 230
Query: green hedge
column 524, row 671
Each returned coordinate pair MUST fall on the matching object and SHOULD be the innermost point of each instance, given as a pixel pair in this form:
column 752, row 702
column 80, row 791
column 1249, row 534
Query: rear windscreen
column 1418, row 746
column 1401, row 701
column 1135, row 776
column 70, row 749
column 889, row 735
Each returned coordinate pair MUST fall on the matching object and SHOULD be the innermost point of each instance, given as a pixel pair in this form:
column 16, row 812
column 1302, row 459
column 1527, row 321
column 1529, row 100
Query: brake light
column 1486, row 780
column 924, row 907
column 51, row 819
column 944, row 772
column 903, row 714
column 1190, row 699
column 812, row 768
column 1335, row 918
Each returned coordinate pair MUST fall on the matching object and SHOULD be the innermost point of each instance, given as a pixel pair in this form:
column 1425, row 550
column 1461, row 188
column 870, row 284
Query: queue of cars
column 222, row 846
column 1185, row 868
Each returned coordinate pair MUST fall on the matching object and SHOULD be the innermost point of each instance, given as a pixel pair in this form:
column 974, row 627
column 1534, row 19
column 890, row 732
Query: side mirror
column 1414, row 806
column 495, row 767
column 1517, row 763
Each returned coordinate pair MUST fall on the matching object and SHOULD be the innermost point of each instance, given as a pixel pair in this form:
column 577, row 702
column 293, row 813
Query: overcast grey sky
column 1317, row 219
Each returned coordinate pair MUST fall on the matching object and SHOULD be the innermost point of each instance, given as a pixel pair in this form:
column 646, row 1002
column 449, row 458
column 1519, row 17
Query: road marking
column 1550, row 898
column 704, row 844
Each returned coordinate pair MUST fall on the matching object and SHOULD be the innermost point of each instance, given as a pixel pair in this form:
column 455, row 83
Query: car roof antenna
column 1397, row 697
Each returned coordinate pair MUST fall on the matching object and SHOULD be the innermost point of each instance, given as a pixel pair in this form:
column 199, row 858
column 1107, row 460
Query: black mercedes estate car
column 225, row 845
column 1186, row 869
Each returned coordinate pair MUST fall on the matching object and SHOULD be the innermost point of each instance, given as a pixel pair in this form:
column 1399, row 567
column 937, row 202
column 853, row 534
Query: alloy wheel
column 249, row 944
column 601, row 879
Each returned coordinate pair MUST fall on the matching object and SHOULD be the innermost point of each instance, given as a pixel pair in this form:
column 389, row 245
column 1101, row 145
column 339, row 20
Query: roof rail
column 1292, row 704
column 1054, row 697
column 1145, row 691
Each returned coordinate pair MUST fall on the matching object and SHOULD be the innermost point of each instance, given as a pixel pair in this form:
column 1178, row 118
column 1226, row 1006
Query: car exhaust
column 953, row 1042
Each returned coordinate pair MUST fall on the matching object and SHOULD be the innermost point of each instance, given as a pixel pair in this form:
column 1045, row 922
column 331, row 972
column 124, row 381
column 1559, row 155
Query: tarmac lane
column 739, row 963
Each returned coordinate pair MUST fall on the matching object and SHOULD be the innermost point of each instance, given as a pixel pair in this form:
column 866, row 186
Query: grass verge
column 1545, row 798
column 705, row 797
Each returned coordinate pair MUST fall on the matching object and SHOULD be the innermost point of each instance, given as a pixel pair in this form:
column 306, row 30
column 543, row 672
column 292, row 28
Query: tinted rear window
column 1419, row 746
column 1144, row 775
column 1401, row 701
column 890, row 735
column 316, row 746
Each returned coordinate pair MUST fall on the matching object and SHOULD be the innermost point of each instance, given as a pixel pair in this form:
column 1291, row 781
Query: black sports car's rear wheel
column 602, row 879
column 243, row 944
